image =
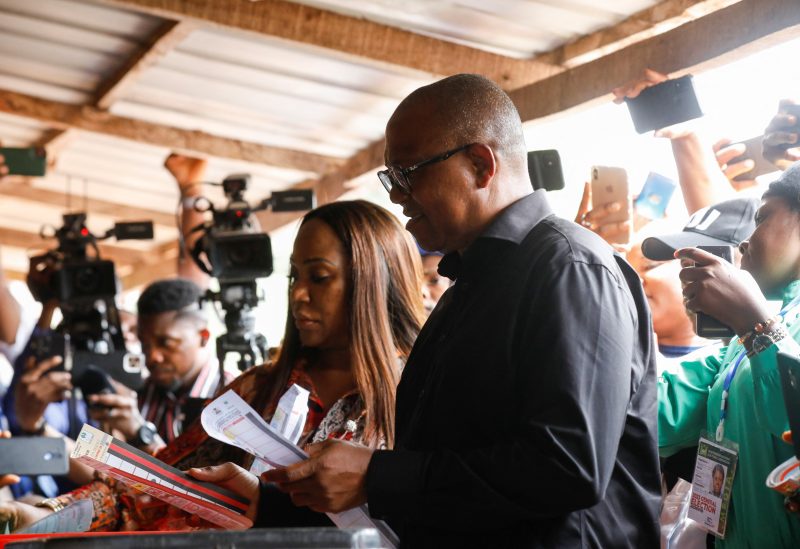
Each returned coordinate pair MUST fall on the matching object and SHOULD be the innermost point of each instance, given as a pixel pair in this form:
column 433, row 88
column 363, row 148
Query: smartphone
column 665, row 104
column 50, row 344
column 544, row 169
column 25, row 160
column 654, row 197
column 789, row 368
column 33, row 456
column 707, row 326
column 610, row 184
column 753, row 151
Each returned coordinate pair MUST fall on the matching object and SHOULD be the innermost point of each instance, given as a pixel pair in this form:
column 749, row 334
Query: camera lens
column 87, row 280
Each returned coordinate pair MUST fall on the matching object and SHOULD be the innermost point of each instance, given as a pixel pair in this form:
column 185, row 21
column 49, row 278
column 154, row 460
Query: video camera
column 233, row 251
column 90, row 337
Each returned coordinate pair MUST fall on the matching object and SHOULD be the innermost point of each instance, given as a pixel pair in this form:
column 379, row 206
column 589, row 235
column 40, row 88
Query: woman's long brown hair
column 384, row 298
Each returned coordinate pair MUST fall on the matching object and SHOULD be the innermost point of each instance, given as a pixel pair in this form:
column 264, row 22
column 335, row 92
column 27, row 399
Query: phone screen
column 654, row 197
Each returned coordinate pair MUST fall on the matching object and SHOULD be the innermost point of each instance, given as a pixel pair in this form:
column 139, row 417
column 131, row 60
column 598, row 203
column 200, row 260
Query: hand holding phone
column 705, row 325
column 782, row 137
column 665, row 104
column 610, row 216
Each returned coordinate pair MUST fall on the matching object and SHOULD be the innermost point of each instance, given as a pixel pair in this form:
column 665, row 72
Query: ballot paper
column 143, row 472
column 785, row 478
column 230, row 419
column 76, row 517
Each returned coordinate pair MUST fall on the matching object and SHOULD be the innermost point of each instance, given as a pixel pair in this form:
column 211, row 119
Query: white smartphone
column 610, row 184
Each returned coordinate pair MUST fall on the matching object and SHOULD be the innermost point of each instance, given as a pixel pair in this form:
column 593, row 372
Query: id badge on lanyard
column 714, row 469
column 712, row 483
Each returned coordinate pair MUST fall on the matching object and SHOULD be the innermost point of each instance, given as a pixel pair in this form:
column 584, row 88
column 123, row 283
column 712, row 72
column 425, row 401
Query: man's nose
column 397, row 196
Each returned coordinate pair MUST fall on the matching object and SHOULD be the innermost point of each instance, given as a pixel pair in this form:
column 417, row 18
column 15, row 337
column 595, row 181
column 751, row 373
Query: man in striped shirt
column 183, row 369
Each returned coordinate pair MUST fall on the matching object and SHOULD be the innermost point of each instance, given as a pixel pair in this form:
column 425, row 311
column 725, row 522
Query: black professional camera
column 85, row 286
column 236, row 254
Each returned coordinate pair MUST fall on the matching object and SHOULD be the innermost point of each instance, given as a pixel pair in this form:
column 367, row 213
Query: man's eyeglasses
column 398, row 177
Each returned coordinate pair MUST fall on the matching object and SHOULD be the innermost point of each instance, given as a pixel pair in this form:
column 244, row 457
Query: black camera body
column 90, row 336
column 232, row 251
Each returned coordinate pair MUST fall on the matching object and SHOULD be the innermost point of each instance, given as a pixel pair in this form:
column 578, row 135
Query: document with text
column 231, row 420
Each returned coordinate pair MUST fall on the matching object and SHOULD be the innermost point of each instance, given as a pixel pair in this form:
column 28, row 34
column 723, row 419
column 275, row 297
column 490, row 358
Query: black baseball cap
column 725, row 224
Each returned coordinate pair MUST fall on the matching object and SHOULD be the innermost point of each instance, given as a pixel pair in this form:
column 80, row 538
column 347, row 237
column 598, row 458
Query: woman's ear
column 484, row 162
column 205, row 335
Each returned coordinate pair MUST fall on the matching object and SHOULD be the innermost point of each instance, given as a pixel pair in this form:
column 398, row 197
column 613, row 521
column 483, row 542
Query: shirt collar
column 512, row 224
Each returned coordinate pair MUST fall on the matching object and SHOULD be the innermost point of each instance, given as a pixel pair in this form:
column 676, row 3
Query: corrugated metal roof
column 517, row 28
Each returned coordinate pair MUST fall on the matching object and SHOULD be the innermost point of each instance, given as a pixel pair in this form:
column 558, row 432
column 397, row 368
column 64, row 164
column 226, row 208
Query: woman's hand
column 231, row 477
column 18, row 515
column 713, row 286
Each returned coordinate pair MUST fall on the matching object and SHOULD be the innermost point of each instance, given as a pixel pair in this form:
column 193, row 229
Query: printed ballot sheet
column 142, row 471
column 231, row 420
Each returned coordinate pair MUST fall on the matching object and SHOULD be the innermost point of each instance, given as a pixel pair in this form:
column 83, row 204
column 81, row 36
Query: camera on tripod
column 90, row 337
column 232, row 250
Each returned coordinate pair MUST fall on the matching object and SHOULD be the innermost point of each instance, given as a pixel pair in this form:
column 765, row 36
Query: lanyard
column 723, row 408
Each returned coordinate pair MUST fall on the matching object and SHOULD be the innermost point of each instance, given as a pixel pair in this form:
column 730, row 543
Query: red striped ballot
column 143, row 472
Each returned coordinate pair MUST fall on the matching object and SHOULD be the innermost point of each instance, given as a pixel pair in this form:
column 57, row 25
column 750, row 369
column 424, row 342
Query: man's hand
column 37, row 388
column 713, row 286
column 187, row 171
column 331, row 480
column 234, row 478
column 782, row 132
column 18, row 515
column 725, row 152
column 118, row 411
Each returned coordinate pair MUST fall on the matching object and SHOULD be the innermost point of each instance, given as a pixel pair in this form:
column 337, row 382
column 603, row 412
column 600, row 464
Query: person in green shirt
column 690, row 392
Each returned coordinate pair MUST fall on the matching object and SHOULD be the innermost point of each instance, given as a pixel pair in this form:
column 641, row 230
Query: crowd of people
column 529, row 382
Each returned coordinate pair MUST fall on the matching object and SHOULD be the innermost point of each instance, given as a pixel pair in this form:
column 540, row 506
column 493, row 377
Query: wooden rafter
column 351, row 35
column 640, row 26
column 117, row 252
column 14, row 187
column 331, row 186
column 698, row 45
column 163, row 40
column 64, row 116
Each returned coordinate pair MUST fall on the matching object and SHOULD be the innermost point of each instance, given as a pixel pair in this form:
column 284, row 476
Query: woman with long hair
column 355, row 308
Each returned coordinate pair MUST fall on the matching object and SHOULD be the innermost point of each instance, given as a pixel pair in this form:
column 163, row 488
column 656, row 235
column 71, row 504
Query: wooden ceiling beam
column 116, row 252
column 19, row 188
column 351, row 35
column 331, row 186
column 640, row 26
column 719, row 38
column 164, row 39
column 63, row 116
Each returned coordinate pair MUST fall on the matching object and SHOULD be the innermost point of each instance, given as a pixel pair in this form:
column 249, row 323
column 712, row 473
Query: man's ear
column 205, row 335
column 484, row 163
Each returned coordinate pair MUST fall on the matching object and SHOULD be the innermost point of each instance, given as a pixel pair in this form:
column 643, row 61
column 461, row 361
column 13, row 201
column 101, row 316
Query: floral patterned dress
column 118, row 507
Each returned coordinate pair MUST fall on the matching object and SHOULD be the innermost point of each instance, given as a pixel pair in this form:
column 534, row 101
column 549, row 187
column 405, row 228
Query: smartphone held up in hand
column 665, row 104
column 610, row 185
column 707, row 326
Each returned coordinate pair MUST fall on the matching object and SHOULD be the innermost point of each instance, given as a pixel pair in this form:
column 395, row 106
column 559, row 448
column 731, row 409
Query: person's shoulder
column 564, row 242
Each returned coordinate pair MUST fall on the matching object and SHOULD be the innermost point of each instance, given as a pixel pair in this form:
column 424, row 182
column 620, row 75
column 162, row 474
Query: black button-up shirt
column 526, row 414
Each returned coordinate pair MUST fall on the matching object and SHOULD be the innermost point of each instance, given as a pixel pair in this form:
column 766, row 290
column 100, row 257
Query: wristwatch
column 763, row 341
column 145, row 435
